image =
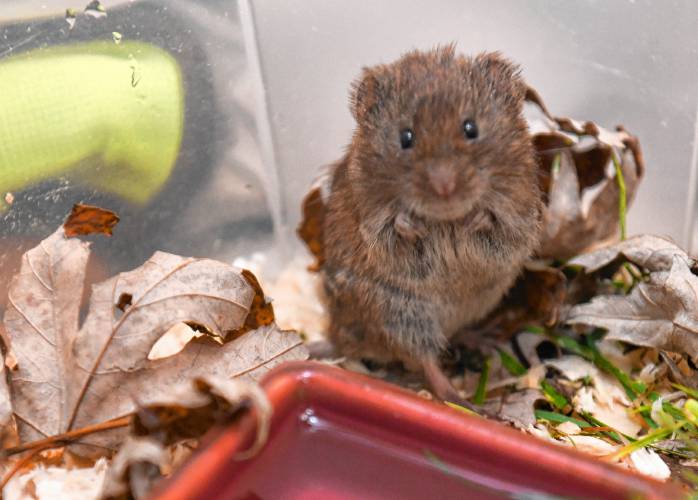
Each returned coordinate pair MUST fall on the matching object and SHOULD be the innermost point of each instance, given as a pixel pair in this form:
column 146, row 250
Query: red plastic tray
column 340, row 435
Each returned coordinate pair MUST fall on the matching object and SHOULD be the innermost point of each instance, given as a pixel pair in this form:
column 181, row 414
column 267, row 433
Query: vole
column 432, row 210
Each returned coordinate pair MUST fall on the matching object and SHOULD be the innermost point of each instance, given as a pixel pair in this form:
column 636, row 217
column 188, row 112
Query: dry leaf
column 261, row 311
column 5, row 403
column 569, row 428
column 68, row 378
column 88, row 219
column 187, row 412
column 532, row 378
column 679, row 369
column 297, row 292
column 654, row 253
column 57, row 483
column 310, row 229
column 591, row 445
column 191, row 409
column 578, row 181
column 606, row 400
column 647, row 462
column 179, row 453
column 611, row 408
column 134, row 468
column 8, row 427
column 573, row 367
column 516, row 408
column 659, row 312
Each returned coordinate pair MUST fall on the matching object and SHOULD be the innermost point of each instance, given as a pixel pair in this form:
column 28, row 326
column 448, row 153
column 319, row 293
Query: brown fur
column 406, row 268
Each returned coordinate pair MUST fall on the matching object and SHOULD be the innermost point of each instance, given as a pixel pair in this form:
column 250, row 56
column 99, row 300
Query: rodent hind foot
column 444, row 390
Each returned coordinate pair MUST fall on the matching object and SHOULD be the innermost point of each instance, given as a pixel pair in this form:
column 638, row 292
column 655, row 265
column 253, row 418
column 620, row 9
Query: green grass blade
column 481, row 391
column 555, row 398
column 458, row 407
column 559, row 418
column 511, row 363
column 650, row 438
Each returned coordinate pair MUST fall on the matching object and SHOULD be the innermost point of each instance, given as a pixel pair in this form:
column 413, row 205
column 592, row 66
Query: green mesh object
column 107, row 115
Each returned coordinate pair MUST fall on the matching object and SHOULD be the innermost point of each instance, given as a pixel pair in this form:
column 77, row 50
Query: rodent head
column 440, row 134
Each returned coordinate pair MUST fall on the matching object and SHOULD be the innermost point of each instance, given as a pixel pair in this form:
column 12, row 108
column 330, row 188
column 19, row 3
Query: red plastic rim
column 397, row 433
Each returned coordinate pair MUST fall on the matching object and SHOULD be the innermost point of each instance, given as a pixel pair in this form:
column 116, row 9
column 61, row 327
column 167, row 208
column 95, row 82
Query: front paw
column 483, row 220
column 409, row 228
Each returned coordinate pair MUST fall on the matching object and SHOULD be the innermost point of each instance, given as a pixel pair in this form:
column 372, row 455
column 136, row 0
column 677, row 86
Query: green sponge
column 106, row 115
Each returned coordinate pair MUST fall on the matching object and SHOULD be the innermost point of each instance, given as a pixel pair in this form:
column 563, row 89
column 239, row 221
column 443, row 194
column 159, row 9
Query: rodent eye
column 406, row 138
column 470, row 129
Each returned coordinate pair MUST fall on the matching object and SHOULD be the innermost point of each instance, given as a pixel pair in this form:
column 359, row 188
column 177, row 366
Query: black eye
column 470, row 129
column 406, row 138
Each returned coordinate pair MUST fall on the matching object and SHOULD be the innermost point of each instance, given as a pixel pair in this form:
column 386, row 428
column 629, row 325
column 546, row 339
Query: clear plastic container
column 202, row 123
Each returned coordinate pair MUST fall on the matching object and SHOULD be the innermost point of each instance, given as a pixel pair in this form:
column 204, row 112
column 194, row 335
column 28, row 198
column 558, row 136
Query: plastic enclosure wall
column 614, row 62
column 275, row 107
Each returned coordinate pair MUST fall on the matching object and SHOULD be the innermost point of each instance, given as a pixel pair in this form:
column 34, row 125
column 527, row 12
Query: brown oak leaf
column 70, row 376
column 661, row 310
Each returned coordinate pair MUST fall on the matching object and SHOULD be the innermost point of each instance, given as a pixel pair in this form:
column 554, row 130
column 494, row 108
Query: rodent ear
column 502, row 71
column 364, row 96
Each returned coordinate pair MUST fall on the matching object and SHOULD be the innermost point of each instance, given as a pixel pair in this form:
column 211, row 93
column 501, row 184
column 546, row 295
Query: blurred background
column 203, row 123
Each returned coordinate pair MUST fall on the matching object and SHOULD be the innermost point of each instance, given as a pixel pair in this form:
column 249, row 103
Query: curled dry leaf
column 654, row 253
column 134, row 468
column 578, row 181
column 88, row 219
column 261, row 311
column 190, row 409
column 187, row 412
column 660, row 311
column 179, row 335
column 310, row 229
column 70, row 377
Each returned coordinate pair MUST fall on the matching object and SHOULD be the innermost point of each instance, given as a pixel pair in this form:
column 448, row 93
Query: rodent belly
column 463, row 306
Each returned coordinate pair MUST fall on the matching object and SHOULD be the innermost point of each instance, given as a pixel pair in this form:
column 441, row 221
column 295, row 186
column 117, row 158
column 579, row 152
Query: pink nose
column 443, row 180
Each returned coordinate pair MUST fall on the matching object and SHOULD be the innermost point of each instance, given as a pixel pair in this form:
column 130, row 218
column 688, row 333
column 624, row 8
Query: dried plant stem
column 62, row 439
